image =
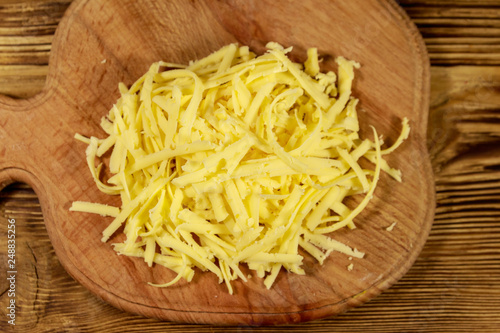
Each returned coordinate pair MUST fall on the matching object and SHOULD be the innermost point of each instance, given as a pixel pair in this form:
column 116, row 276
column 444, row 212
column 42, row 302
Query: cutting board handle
column 20, row 122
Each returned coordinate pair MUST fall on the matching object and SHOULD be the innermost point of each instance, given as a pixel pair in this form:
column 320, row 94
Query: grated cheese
column 236, row 159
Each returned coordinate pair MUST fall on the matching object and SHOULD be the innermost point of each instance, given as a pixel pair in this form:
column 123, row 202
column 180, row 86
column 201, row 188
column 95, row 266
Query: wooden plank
column 451, row 41
column 472, row 25
column 454, row 22
column 26, row 32
column 451, row 12
column 492, row 4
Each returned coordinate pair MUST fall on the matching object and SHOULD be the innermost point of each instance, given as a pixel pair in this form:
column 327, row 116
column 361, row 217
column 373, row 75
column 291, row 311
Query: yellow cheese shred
column 236, row 162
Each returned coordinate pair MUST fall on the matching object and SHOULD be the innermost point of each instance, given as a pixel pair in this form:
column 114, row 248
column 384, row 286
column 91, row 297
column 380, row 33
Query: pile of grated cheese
column 236, row 159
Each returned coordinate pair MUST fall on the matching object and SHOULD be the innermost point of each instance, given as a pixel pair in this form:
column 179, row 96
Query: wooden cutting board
column 100, row 43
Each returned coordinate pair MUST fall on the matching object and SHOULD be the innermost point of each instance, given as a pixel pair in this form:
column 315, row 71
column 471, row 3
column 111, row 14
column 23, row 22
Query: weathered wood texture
column 454, row 286
column 26, row 32
column 458, row 32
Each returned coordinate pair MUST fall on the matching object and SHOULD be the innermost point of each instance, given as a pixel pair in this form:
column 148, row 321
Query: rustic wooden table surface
column 454, row 286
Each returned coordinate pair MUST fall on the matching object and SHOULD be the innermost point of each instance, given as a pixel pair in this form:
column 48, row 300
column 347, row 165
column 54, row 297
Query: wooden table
column 454, row 286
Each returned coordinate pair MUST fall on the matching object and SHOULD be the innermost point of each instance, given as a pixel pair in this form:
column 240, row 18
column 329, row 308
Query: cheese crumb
column 391, row 227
